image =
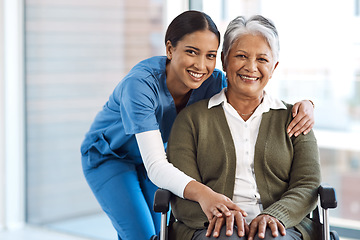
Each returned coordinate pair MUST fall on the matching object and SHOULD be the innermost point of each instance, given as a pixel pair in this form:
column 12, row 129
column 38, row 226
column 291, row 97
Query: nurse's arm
column 165, row 175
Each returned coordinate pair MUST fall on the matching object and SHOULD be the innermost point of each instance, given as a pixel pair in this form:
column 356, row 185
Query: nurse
column 126, row 143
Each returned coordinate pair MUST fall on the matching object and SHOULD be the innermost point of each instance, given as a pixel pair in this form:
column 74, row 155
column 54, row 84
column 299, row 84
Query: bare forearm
column 196, row 191
column 212, row 203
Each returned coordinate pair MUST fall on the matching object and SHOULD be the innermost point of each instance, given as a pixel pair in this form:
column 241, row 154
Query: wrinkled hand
column 236, row 217
column 303, row 122
column 216, row 204
column 259, row 224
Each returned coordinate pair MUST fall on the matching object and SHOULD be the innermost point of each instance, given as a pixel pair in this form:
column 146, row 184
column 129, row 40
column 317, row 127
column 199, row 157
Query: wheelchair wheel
column 334, row 235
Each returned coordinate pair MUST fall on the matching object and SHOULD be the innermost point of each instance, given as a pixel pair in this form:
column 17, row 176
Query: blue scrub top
column 140, row 102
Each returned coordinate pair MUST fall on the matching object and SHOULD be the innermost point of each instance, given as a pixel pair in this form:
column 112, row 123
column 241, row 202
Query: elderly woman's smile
column 248, row 78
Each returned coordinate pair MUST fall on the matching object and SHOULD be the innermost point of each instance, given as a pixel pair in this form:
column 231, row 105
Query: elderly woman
column 236, row 143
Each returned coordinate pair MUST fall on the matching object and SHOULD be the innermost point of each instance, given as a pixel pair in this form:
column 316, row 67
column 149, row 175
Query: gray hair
column 255, row 25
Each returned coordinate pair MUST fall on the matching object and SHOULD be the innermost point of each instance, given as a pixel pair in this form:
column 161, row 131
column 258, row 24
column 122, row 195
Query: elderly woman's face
column 250, row 65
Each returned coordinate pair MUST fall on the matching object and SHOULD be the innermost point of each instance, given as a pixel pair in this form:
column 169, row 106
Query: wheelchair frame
column 327, row 200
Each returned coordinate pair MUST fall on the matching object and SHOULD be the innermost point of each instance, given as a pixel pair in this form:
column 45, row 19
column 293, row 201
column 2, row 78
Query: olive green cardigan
column 287, row 170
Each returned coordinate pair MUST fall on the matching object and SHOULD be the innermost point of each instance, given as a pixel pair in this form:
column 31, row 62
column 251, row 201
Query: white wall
column 12, row 192
column 174, row 8
column 2, row 124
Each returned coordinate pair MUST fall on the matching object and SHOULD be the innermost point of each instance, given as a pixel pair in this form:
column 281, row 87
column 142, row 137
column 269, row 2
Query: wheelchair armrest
column 327, row 196
column 162, row 200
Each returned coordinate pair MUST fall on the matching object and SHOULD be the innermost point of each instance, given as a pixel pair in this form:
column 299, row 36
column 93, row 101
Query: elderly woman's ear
column 276, row 64
column 223, row 61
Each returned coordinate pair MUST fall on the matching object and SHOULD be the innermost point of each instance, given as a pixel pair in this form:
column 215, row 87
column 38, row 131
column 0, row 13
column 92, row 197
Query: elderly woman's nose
column 251, row 65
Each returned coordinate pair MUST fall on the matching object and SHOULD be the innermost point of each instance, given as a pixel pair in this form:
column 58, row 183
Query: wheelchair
column 327, row 200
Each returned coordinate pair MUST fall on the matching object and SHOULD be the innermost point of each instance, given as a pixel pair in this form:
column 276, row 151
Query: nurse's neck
column 181, row 101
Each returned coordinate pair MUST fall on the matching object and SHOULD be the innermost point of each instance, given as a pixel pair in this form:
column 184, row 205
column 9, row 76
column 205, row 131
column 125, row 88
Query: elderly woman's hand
column 303, row 122
column 259, row 224
column 236, row 217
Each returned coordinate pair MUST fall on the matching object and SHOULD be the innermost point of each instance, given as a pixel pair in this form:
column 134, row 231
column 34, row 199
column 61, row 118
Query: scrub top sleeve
column 223, row 81
column 220, row 75
column 138, row 100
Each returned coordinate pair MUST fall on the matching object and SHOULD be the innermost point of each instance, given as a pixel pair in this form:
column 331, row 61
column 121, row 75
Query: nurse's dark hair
column 189, row 22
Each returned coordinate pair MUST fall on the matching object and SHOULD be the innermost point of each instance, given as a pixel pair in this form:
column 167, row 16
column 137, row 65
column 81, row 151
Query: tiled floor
column 94, row 227
column 34, row 233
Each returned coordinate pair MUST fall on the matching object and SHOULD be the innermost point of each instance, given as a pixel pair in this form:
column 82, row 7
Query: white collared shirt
column 244, row 134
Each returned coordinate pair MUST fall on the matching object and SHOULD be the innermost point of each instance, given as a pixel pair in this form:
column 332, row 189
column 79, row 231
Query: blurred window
column 76, row 52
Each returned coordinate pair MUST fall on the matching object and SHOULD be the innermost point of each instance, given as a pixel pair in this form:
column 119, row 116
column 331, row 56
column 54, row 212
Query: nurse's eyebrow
column 197, row 49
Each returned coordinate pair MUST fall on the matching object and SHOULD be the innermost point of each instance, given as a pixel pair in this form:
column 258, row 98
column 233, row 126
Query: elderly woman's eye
column 241, row 56
column 264, row 60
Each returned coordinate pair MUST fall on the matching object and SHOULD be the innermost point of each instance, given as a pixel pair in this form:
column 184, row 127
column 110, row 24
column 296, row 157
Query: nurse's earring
column 169, row 56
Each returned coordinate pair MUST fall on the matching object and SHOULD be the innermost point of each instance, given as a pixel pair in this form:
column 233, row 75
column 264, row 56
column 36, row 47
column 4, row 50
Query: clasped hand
column 257, row 225
column 236, row 217
column 220, row 210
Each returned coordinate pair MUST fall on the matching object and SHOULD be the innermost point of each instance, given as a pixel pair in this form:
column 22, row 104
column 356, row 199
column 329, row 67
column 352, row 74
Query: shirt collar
column 267, row 103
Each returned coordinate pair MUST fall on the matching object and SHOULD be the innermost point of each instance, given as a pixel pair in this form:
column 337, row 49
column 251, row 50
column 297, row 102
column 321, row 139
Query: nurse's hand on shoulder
column 260, row 223
column 304, row 120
